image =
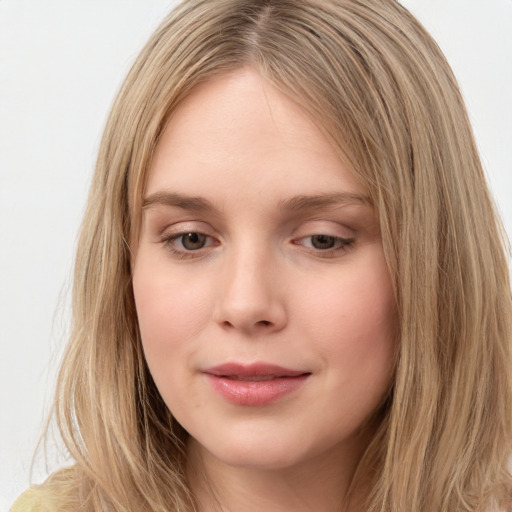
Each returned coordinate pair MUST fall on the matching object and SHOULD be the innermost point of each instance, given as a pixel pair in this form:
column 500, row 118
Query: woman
column 291, row 291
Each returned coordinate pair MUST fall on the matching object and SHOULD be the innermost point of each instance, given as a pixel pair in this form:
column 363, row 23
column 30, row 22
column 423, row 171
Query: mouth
column 255, row 371
column 256, row 384
column 253, row 378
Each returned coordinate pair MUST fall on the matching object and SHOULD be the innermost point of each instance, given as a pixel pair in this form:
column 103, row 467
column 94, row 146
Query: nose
column 250, row 298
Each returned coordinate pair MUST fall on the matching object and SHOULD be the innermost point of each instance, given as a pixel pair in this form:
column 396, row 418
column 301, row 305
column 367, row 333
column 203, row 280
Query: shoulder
column 56, row 494
column 29, row 501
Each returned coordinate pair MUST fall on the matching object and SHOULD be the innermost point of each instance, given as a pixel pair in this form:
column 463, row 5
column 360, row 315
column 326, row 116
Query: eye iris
column 323, row 241
column 193, row 241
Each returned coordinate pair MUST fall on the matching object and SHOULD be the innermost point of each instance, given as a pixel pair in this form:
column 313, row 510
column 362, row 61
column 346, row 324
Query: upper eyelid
column 304, row 228
column 175, row 230
column 178, row 234
column 330, row 228
column 341, row 239
column 303, row 216
column 179, row 228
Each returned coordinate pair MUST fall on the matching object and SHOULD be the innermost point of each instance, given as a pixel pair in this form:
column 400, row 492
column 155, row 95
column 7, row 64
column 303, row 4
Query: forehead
column 239, row 129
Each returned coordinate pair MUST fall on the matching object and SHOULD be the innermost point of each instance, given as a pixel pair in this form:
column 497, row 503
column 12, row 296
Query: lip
column 254, row 384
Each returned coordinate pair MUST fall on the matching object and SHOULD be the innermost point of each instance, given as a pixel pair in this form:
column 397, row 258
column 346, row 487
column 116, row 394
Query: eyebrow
column 296, row 203
column 183, row 201
column 319, row 201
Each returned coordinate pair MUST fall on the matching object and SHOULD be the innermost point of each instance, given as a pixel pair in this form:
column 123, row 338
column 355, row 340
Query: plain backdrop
column 61, row 63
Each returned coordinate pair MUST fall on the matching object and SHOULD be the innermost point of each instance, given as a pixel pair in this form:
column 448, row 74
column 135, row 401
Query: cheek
column 171, row 316
column 163, row 300
column 353, row 319
column 355, row 306
column 171, row 313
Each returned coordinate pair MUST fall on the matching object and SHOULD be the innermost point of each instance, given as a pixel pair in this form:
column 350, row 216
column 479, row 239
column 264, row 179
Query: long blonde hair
column 384, row 95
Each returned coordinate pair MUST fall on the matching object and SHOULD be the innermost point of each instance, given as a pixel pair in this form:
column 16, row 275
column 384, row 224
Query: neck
column 319, row 484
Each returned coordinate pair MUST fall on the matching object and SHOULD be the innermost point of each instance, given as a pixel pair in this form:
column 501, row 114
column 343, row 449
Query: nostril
column 264, row 322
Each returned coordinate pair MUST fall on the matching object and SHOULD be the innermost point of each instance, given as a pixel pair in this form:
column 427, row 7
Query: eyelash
column 170, row 243
column 341, row 245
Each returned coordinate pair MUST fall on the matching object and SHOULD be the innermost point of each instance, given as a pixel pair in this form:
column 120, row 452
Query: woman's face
column 263, row 297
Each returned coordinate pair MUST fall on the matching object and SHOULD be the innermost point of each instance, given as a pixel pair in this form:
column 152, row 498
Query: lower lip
column 254, row 393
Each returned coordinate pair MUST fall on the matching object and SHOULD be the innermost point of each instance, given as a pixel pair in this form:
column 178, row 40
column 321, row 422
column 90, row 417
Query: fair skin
column 265, row 307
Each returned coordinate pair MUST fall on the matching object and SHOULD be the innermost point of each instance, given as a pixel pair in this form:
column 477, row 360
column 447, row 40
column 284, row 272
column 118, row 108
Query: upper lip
column 253, row 370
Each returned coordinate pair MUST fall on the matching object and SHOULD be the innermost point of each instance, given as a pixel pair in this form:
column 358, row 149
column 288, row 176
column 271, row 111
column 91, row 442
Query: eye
column 192, row 241
column 323, row 241
column 326, row 245
column 188, row 244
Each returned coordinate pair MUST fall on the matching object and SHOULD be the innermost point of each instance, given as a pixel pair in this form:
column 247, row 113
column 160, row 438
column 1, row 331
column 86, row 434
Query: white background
column 61, row 63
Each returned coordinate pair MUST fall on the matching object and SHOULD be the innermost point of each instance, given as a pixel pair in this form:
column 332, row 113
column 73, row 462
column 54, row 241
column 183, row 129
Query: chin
column 269, row 450
column 251, row 451
column 259, row 458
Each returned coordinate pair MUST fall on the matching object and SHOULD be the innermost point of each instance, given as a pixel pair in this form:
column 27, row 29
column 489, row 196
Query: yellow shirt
column 28, row 502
